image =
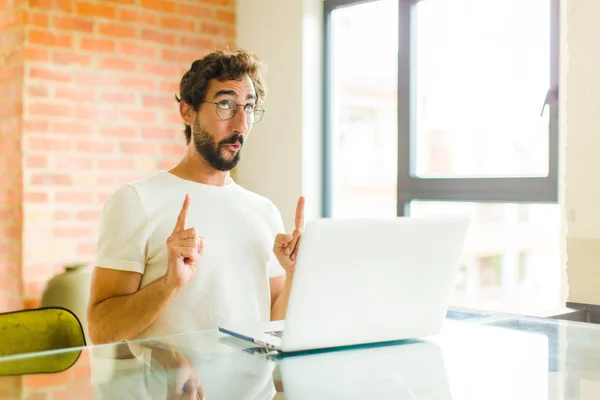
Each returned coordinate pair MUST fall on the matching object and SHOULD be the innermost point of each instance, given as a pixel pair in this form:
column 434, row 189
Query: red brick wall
column 99, row 110
column 11, row 103
column 86, row 95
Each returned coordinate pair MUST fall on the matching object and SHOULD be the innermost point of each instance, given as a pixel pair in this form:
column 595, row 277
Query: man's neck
column 194, row 168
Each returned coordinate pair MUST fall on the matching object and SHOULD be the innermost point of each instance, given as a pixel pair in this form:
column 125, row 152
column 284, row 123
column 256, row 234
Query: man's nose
column 241, row 121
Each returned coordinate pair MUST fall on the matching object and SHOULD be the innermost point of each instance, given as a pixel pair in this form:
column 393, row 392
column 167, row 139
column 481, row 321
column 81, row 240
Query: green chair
column 35, row 331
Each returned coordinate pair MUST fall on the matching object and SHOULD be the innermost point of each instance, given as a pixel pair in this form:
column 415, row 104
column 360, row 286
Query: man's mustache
column 233, row 140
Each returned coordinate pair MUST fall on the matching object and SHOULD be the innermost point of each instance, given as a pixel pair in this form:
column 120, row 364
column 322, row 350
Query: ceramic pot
column 70, row 290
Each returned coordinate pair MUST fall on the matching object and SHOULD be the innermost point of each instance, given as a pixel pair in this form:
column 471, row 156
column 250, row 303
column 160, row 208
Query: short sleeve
column 124, row 232
column 275, row 269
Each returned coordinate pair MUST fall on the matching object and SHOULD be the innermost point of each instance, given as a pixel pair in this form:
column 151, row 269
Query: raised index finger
column 183, row 214
column 299, row 221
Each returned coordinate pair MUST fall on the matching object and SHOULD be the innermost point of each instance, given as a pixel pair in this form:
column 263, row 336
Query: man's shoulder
column 139, row 190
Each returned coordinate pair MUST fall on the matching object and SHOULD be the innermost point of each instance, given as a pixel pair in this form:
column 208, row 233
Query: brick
column 9, row 145
column 217, row 30
column 196, row 43
column 36, row 125
column 90, row 146
column 89, row 9
column 116, row 163
column 179, row 56
column 74, row 232
column 87, row 249
column 96, row 113
column 36, row 18
column 98, row 45
column 118, row 30
column 121, row 98
column 118, row 64
column 71, row 162
column 71, row 58
column 10, row 161
column 70, row 128
column 37, row 91
column 75, row 393
column 11, row 128
column 225, row 16
column 35, row 54
column 178, row 24
column 95, row 80
column 141, row 116
column 158, row 101
column 133, row 49
column 11, row 110
column 89, row 215
column 40, row 143
column 15, row 56
column 29, row 304
column 136, row 16
column 46, row 38
column 37, row 162
column 158, row 36
column 172, row 118
column 53, row 5
column 194, row 11
column 139, row 148
column 159, row 69
column 171, row 87
column 137, row 83
column 79, row 95
column 35, row 197
column 8, row 75
column 49, row 75
column 11, row 18
column 63, row 216
column 51, row 179
column 119, row 131
column 11, row 91
column 50, row 109
column 74, row 197
column 172, row 149
column 72, row 23
column 108, row 180
column 218, row 2
column 159, row 5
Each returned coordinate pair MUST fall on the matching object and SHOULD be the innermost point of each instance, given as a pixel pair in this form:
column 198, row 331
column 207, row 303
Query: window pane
column 364, row 109
column 511, row 259
column 482, row 73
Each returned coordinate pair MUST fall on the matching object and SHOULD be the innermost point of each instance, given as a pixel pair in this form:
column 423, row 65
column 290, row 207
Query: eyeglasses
column 226, row 109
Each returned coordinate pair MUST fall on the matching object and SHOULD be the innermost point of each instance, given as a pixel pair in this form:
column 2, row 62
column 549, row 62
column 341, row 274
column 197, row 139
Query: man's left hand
column 286, row 246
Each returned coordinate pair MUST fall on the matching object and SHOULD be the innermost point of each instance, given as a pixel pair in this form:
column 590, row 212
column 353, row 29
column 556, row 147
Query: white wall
column 581, row 121
column 282, row 158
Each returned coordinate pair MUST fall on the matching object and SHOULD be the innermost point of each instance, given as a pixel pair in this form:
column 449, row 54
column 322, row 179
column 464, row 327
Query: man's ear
column 187, row 113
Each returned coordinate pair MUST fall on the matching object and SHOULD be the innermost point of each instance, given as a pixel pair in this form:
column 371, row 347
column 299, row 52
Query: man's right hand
column 185, row 248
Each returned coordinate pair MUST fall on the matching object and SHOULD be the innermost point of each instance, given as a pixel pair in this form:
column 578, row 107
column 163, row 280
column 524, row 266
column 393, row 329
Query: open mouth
column 233, row 147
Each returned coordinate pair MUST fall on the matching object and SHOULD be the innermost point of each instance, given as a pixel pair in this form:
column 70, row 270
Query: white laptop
column 360, row 281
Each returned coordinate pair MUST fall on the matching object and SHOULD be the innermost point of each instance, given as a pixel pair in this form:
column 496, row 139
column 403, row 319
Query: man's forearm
column 124, row 317
column 280, row 304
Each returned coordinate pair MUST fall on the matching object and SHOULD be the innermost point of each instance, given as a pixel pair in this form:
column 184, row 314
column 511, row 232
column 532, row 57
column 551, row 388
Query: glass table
column 477, row 355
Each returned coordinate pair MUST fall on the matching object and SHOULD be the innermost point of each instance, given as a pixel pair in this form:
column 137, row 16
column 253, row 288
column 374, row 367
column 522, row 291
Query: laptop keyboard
column 278, row 334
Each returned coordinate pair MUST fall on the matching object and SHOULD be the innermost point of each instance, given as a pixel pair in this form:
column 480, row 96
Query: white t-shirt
column 231, row 283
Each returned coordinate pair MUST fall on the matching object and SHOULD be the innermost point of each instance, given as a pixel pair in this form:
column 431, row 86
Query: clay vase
column 70, row 290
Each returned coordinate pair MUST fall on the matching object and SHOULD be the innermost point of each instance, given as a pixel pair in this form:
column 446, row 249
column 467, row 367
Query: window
column 435, row 107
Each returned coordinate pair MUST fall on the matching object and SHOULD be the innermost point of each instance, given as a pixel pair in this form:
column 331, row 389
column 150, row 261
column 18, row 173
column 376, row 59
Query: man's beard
column 211, row 151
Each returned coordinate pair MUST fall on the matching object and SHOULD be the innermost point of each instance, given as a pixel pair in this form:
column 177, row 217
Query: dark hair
column 222, row 65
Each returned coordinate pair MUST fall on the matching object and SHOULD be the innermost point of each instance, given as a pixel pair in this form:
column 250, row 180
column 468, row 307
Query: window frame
column 411, row 187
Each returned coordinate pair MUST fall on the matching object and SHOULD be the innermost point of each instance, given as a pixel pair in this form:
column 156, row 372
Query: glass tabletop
column 477, row 355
